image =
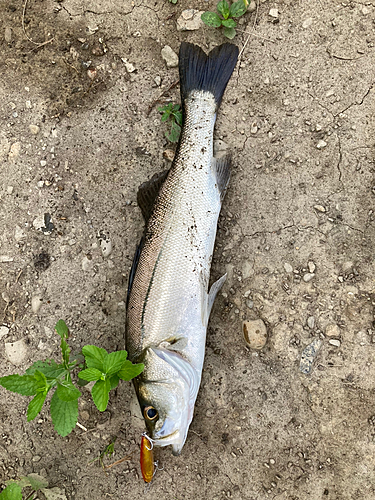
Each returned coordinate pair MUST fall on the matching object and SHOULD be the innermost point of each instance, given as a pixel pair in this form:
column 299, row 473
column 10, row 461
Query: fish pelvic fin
column 221, row 168
column 211, row 73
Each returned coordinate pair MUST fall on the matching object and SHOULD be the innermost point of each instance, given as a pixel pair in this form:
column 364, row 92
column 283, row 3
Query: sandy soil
column 296, row 237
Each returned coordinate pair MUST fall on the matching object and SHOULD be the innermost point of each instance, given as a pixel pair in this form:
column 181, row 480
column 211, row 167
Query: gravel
column 308, row 277
column 190, row 20
column 332, row 330
column 288, row 268
column 335, row 342
column 170, row 57
column 311, row 322
column 308, row 356
column 16, row 352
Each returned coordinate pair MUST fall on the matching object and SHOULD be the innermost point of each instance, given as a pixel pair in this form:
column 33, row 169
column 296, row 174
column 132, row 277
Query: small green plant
column 107, row 452
column 237, row 9
column 173, row 113
column 106, row 369
column 173, row 1
column 13, row 491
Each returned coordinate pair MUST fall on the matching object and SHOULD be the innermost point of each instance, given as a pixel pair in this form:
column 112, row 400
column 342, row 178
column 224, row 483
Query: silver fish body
column 169, row 302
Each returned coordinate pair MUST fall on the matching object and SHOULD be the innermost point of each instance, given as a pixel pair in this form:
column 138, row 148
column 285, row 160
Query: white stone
column 335, row 342
column 6, row 258
column 308, row 277
column 307, row 22
column 8, row 34
column 106, row 247
column 4, row 330
column 321, row 144
column 169, row 56
column 365, row 11
column 36, row 303
column 332, row 331
column 16, row 352
column 28, row 104
column 319, row 208
column 274, row 13
column 311, row 266
column 288, row 268
column 14, row 151
column 190, row 20
column 43, row 163
column 10, row 189
column 130, row 68
column 34, row 129
column 86, row 264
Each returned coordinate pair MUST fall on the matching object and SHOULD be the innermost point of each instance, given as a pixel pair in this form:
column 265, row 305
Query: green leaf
column 130, row 370
column 35, row 405
column 90, row 374
column 26, row 385
column 174, row 133
column 229, row 33
column 211, row 19
column 100, row 394
column 65, row 349
column 64, row 415
column 229, row 23
column 67, row 391
column 114, row 361
column 41, row 381
column 223, row 9
column 178, row 117
column 11, row 492
column 94, row 356
column 114, row 380
column 36, row 482
column 165, row 117
column 49, row 367
column 237, row 9
column 62, row 329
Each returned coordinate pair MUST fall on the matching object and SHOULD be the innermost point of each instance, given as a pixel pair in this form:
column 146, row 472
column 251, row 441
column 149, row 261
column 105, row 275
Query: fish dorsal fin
column 148, row 191
column 210, row 298
column 221, row 168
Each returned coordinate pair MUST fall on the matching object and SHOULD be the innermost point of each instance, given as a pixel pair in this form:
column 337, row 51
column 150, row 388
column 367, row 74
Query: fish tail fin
column 211, row 73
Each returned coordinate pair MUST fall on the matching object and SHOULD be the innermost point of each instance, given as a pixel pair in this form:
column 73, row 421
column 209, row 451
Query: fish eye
column 150, row 413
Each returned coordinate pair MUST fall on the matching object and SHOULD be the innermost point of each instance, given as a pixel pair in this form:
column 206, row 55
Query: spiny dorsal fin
column 148, row 191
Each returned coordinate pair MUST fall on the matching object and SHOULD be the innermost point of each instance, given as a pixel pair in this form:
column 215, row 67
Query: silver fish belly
column 169, row 303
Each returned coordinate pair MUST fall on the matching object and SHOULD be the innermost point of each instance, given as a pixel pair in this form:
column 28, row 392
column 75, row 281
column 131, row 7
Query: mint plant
column 106, row 369
column 225, row 19
column 173, row 113
column 13, row 490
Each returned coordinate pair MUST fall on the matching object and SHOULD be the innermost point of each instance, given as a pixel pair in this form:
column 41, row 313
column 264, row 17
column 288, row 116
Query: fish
column 169, row 300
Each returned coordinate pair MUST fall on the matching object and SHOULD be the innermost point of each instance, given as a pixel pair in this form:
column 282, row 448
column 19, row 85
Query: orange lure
column 147, row 460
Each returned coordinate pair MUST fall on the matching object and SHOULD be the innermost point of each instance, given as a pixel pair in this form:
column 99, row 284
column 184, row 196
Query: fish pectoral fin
column 214, row 290
column 174, row 344
column 221, row 169
column 148, row 191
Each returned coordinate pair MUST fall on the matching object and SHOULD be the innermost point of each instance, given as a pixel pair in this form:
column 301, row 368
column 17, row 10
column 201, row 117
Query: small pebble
column 190, row 20
column 254, row 128
column 36, row 458
column 332, row 331
column 19, row 233
column 86, row 264
column 255, row 333
column 34, row 129
column 6, row 258
column 365, row 11
column 43, row 163
column 10, row 189
column 308, row 355
column 321, row 144
column 335, row 342
column 320, row 208
column 169, row 56
column 106, row 247
column 308, row 277
column 311, row 266
column 130, row 68
column 8, row 34
column 288, row 268
column 252, row 6
column 16, row 351
column 4, row 330
column 14, row 152
column 157, row 80
column 168, row 154
column 28, row 104
column 36, row 303
column 307, row 22
column 274, row 13
column 311, row 322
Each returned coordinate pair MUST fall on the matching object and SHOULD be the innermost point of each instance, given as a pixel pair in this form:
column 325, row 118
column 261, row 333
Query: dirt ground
column 296, row 237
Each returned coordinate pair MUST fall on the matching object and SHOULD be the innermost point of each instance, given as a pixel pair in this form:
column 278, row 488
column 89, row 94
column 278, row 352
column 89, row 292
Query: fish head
column 167, row 390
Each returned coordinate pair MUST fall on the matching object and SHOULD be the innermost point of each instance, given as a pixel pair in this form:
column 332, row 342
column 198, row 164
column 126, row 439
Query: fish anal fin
column 148, row 191
column 221, row 168
column 214, row 290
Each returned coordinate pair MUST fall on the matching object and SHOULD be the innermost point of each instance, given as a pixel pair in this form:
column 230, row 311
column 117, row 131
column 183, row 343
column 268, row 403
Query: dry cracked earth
column 80, row 131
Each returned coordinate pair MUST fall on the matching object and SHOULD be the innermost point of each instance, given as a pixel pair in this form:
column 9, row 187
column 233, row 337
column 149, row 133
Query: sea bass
column 169, row 301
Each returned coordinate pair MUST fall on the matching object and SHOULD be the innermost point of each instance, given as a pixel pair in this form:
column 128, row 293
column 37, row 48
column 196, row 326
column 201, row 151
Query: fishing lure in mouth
column 147, row 459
